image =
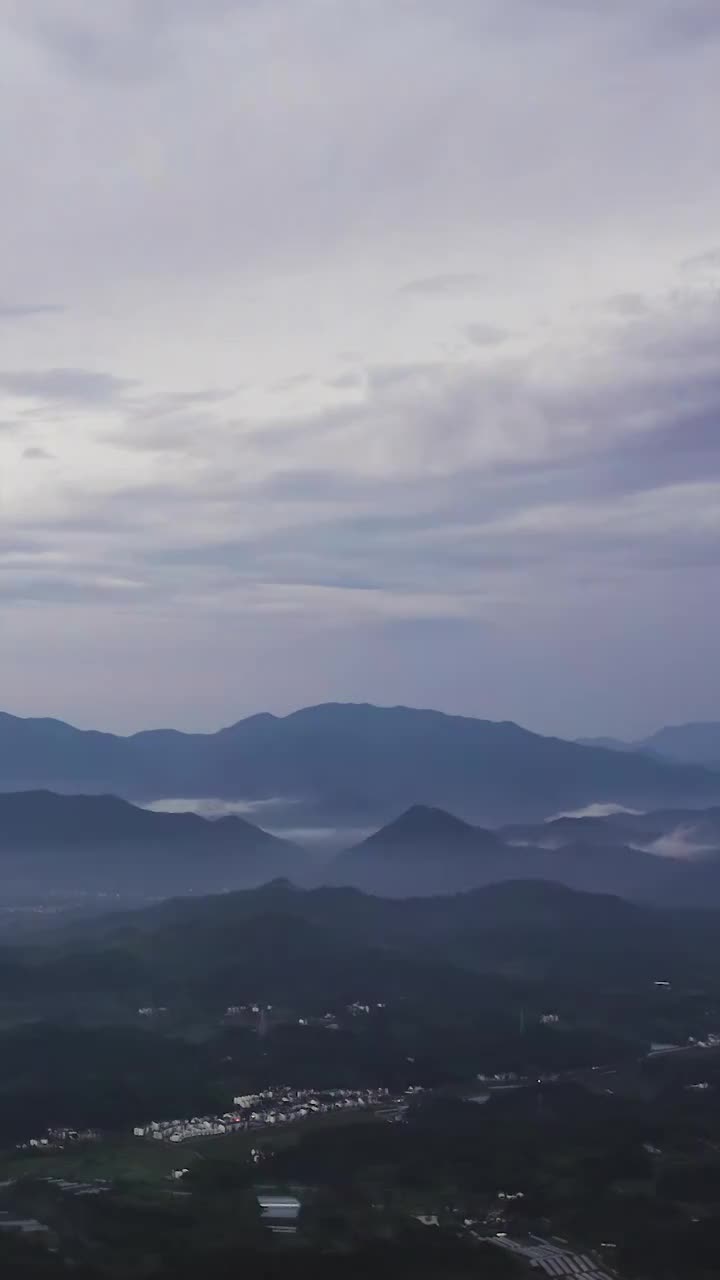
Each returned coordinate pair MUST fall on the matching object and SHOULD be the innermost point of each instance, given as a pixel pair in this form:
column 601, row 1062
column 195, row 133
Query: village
column 276, row 1106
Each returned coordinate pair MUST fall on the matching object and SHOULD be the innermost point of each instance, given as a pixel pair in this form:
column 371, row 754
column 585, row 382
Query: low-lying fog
column 281, row 815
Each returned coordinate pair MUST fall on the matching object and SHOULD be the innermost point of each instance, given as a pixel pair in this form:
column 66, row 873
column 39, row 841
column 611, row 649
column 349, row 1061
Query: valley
column 482, row 1032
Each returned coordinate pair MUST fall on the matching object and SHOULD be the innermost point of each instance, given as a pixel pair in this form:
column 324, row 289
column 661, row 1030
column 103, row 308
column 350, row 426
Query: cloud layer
column 384, row 366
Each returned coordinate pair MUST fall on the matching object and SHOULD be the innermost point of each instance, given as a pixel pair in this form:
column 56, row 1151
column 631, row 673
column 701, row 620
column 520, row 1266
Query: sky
column 360, row 350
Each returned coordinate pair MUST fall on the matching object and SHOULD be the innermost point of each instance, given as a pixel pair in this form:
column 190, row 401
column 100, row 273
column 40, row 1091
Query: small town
column 58, row 1138
column 273, row 1107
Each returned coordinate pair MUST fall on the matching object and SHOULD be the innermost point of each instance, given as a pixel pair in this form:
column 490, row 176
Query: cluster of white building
column 245, row 1010
column 711, row 1041
column 55, row 1139
column 270, row 1107
column 192, row 1127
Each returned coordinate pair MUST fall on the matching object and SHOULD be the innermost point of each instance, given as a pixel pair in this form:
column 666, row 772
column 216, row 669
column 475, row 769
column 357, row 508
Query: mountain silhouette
column 103, row 842
column 352, row 764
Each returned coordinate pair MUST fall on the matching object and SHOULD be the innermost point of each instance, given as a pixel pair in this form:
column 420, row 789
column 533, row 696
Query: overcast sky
column 360, row 350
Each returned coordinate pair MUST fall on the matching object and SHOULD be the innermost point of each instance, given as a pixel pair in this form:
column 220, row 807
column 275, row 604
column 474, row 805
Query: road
column 551, row 1258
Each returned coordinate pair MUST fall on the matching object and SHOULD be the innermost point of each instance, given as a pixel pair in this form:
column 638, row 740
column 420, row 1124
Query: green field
column 133, row 1160
column 144, row 1161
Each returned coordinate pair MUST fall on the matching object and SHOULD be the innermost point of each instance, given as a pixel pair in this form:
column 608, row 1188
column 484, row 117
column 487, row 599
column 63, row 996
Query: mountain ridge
column 64, row 840
column 105, row 842
column 544, row 925
column 425, row 851
column 343, row 761
column 695, row 742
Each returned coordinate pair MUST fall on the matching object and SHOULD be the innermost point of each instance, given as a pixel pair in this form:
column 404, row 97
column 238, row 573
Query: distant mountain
column 695, row 743
column 102, row 842
column 609, row 744
column 351, row 765
column 673, row 832
column 420, row 832
column 279, row 943
column 426, row 851
column 558, row 833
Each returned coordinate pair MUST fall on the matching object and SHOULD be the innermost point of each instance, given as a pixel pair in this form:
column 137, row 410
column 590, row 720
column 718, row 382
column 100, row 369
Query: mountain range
column 352, row 765
column 280, row 943
column 670, row 832
column 694, row 743
column 427, row 851
column 103, row 843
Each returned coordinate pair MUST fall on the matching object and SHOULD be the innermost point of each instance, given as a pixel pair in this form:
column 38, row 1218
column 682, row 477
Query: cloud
column 595, row 811
column 705, row 264
column 127, row 42
column 467, row 475
column 502, row 495
column 486, row 335
column 35, row 454
column 696, row 22
column 64, row 386
column 168, row 402
column 680, row 843
column 350, row 381
column 452, row 285
column 67, row 590
column 293, row 382
column 23, row 310
column 630, row 305
column 211, row 808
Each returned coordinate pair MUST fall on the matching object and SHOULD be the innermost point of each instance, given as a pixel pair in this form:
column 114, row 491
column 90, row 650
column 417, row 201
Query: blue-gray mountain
column 350, row 764
column 696, row 743
column 105, row 844
column 102, row 844
column 426, row 851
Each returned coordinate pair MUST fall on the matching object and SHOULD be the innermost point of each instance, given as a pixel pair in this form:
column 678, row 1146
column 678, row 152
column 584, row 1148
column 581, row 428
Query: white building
column 279, row 1213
